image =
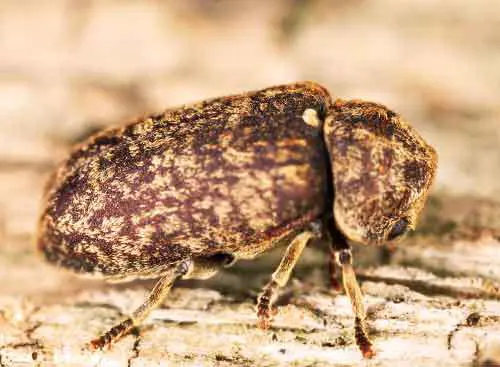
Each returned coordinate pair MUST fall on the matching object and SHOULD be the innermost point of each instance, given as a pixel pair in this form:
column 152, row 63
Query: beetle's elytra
column 191, row 190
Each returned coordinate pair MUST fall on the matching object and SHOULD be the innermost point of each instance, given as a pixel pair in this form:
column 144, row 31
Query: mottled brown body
column 188, row 191
column 228, row 175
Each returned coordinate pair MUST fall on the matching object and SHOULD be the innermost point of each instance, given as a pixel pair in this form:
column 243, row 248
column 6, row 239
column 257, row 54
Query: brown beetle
column 196, row 188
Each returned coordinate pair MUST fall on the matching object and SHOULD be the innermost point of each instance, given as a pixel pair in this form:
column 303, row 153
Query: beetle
column 186, row 192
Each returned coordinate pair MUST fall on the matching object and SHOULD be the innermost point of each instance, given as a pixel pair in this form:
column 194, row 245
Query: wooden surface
column 416, row 317
column 70, row 67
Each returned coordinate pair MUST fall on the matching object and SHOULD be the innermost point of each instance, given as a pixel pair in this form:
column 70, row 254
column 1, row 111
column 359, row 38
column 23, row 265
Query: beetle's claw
column 265, row 312
column 362, row 340
column 367, row 350
column 368, row 353
column 265, row 306
column 265, row 315
column 112, row 335
column 97, row 344
column 103, row 342
column 264, row 323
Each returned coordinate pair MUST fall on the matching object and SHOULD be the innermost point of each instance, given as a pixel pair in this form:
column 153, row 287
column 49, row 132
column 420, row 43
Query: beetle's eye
column 398, row 229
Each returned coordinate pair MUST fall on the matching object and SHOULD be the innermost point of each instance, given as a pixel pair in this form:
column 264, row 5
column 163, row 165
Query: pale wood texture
column 415, row 317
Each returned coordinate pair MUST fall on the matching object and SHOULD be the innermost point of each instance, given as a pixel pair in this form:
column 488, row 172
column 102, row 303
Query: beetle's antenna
column 351, row 286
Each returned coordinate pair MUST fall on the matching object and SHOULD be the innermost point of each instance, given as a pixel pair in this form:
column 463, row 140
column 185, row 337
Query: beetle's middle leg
column 266, row 299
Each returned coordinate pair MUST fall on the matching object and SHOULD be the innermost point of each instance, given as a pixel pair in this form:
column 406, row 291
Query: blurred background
column 71, row 67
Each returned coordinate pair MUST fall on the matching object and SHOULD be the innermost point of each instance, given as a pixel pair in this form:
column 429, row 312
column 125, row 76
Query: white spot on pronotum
column 311, row 118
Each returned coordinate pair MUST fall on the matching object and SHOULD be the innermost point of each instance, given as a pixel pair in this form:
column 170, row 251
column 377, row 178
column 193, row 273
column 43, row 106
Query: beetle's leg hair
column 279, row 278
column 351, row 286
column 155, row 298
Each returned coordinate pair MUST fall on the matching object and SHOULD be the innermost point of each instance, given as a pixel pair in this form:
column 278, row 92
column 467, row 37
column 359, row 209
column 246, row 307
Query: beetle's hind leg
column 266, row 299
column 155, row 298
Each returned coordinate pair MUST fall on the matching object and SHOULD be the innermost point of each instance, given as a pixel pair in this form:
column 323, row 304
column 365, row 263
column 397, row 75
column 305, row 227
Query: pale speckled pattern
column 382, row 169
column 228, row 175
column 233, row 175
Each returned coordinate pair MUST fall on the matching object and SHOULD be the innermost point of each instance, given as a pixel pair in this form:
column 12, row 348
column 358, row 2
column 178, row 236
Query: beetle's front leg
column 351, row 286
column 343, row 258
column 266, row 299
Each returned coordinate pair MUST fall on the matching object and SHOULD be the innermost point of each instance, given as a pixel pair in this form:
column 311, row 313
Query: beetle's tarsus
column 115, row 333
column 362, row 340
column 265, row 317
column 264, row 322
column 265, row 305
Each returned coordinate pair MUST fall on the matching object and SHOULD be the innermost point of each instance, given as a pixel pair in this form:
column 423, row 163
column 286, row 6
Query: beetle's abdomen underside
column 229, row 175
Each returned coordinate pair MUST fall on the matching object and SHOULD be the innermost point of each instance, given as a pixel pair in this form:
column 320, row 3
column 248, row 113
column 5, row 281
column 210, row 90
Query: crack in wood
column 471, row 320
column 135, row 348
column 34, row 343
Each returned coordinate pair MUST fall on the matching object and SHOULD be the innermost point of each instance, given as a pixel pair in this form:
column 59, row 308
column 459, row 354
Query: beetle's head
column 382, row 171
